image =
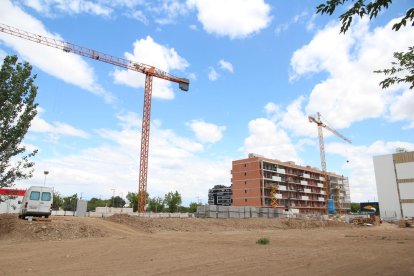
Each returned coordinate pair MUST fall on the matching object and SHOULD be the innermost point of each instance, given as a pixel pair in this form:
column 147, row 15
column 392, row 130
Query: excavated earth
column 124, row 245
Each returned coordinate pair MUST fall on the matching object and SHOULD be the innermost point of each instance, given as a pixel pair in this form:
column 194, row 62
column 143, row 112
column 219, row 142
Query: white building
column 394, row 174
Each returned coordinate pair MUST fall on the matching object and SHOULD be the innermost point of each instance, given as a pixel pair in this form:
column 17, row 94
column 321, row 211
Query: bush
column 263, row 241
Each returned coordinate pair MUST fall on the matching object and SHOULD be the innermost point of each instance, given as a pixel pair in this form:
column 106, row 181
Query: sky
column 257, row 69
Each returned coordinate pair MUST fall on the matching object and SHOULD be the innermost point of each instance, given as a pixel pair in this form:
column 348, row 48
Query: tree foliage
column 57, row 201
column 402, row 70
column 156, row 205
column 116, row 202
column 172, row 201
column 133, row 200
column 17, row 109
column 96, row 202
column 70, row 202
column 355, row 207
column 193, row 207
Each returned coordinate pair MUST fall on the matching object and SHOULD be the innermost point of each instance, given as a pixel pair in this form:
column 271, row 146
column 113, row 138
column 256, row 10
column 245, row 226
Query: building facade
column 263, row 182
column 394, row 175
column 220, row 195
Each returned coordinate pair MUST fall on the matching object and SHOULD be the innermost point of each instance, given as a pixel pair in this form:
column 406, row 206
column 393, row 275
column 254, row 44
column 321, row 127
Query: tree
column 355, row 208
column 96, row 202
column 57, row 201
column 117, row 202
column 193, row 207
column 156, row 205
column 403, row 68
column 172, row 200
column 133, row 200
column 69, row 202
column 17, row 109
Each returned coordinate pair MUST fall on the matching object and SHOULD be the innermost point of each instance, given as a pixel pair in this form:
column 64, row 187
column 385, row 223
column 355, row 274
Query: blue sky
column 257, row 70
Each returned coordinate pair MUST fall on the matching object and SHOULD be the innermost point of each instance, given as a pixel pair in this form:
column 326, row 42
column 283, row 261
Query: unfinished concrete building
column 263, row 182
column 219, row 195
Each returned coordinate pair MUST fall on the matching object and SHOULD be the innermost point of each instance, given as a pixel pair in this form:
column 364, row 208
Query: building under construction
column 263, row 182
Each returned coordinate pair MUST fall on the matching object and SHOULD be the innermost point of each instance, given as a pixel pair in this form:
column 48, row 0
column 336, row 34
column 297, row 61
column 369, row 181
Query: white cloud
column 207, row 132
column 174, row 164
column 140, row 16
column 225, row 65
column 351, row 92
column 401, row 108
column 48, row 7
column 232, row 18
column 213, row 75
column 268, row 139
column 76, row 71
column 55, row 129
column 360, row 165
column 149, row 52
column 283, row 27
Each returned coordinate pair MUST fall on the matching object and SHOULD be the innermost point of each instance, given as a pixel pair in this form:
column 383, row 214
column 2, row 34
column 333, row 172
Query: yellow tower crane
column 326, row 187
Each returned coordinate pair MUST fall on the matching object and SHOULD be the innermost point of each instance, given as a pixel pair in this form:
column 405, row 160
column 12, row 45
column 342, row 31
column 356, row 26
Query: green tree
column 193, row 207
column 156, row 205
column 17, row 109
column 69, row 202
column 117, row 202
column 96, row 202
column 402, row 69
column 172, row 201
column 355, row 208
column 57, row 201
column 133, row 200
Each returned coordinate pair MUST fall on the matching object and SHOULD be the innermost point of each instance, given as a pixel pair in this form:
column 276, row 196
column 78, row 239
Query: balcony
column 304, row 182
column 321, row 199
column 276, row 178
column 282, row 188
column 320, row 185
column 305, row 198
column 321, row 178
column 281, row 171
column 322, row 192
column 305, row 175
column 278, row 196
column 307, row 190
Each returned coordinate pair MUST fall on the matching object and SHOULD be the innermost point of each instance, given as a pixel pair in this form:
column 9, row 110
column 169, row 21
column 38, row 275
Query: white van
column 37, row 202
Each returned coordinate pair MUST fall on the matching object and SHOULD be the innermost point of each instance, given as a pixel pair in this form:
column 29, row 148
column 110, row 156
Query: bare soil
column 125, row 245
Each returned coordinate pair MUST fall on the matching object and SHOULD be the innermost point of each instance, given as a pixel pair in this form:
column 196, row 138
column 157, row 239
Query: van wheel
column 47, row 216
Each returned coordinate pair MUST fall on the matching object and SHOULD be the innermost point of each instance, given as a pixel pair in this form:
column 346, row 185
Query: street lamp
column 46, row 173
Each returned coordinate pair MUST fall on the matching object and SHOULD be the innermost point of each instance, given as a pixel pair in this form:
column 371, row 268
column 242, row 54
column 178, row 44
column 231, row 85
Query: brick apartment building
column 263, row 182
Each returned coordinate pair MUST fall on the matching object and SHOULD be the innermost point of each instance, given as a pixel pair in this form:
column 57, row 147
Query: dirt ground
column 123, row 245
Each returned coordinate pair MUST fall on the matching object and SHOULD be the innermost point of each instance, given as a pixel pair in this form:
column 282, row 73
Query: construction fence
column 214, row 211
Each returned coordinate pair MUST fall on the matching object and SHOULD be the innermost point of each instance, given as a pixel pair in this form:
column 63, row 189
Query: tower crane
column 321, row 125
column 148, row 70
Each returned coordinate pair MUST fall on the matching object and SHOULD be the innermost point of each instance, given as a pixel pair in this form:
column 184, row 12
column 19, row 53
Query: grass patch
column 263, row 241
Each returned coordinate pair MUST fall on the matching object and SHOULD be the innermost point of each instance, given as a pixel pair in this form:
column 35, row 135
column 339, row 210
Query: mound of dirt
column 58, row 228
column 151, row 225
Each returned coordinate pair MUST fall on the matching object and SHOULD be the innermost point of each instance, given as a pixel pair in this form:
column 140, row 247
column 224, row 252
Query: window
column 46, row 196
column 245, row 174
column 245, row 200
column 245, row 182
column 245, row 191
column 34, row 195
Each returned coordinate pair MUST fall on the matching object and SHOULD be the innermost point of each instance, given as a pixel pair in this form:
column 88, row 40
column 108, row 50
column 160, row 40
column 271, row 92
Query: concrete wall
column 213, row 211
column 386, row 187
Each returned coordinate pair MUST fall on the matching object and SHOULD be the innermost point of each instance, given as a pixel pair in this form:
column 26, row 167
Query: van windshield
column 45, row 196
column 34, row 195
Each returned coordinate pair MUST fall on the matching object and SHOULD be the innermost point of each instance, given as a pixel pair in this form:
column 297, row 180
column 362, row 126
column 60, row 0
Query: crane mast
column 148, row 70
column 321, row 125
